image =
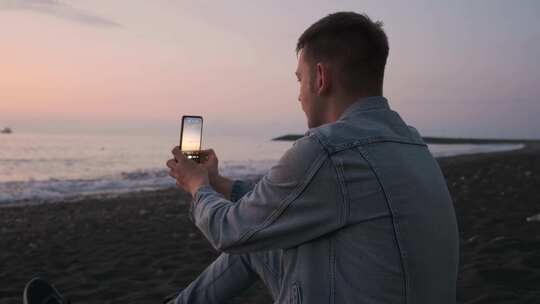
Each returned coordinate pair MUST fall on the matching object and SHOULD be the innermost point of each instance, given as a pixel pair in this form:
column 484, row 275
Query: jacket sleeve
column 296, row 201
column 240, row 188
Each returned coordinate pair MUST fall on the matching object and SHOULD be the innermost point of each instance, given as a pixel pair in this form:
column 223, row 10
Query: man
column 357, row 211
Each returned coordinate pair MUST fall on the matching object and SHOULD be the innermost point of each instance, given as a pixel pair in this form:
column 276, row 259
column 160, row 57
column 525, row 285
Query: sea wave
column 40, row 160
column 38, row 191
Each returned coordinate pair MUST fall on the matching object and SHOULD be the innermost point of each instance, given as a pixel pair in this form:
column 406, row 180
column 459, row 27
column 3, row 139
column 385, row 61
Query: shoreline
column 139, row 247
column 78, row 197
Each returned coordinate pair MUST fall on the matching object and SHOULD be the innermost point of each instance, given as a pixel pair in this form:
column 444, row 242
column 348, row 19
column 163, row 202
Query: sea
column 50, row 167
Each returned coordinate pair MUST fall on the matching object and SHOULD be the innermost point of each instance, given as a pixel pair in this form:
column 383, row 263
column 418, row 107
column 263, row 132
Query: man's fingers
column 208, row 154
column 177, row 153
column 171, row 163
column 171, row 174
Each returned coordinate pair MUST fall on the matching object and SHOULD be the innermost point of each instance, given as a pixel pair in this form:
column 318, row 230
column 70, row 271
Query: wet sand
column 500, row 250
column 140, row 247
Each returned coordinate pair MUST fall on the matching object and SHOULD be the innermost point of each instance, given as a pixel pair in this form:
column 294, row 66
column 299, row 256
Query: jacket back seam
column 340, row 177
column 332, row 265
column 393, row 218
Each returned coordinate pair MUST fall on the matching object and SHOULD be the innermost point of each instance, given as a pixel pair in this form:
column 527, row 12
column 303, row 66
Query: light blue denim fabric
column 357, row 211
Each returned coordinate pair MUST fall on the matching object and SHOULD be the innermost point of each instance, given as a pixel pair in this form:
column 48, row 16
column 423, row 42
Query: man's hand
column 210, row 161
column 221, row 184
column 189, row 175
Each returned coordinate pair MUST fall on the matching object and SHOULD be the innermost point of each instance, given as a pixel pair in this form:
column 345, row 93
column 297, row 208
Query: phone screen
column 190, row 138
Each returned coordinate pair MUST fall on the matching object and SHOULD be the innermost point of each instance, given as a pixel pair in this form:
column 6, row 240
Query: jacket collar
column 365, row 104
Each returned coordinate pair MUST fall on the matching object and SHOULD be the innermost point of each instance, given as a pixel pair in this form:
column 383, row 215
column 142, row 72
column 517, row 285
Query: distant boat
column 6, row 130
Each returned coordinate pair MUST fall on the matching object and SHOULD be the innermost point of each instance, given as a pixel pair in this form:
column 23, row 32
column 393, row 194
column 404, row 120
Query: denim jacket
column 359, row 209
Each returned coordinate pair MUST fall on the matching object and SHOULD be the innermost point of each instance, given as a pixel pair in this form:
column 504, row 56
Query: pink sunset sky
column 458, row 68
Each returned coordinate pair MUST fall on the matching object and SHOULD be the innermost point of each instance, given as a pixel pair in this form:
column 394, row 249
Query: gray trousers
column 230, row 274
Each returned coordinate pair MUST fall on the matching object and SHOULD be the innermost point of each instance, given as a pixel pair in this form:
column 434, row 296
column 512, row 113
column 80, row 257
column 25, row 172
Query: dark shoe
column 39, row 291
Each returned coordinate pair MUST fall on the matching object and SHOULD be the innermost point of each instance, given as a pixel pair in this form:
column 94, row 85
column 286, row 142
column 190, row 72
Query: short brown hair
column 357, row 46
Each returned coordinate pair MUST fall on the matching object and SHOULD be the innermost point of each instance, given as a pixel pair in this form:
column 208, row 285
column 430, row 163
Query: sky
column 456, row 68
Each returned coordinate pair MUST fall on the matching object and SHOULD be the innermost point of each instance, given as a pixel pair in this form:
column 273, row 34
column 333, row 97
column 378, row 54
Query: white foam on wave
column 53, row 190
column 154, row 179
column 140, row 180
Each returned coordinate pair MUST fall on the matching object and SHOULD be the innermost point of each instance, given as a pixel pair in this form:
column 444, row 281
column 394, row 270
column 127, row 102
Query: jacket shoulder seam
column 287, row 200
column 331, row 148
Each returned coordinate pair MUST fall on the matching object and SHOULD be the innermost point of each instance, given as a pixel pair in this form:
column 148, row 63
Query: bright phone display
column 191, row 136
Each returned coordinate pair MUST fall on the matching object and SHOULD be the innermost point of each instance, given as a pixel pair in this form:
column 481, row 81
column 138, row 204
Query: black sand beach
column 140, row 247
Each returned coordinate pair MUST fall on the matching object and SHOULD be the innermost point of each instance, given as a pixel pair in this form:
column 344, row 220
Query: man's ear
column 322, row 79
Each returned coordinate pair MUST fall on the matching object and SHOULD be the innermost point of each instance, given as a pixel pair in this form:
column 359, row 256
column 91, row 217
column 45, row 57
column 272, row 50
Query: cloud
column 60, row 10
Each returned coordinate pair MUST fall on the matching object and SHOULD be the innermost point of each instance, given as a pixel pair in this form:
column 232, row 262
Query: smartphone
column 191, row 137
